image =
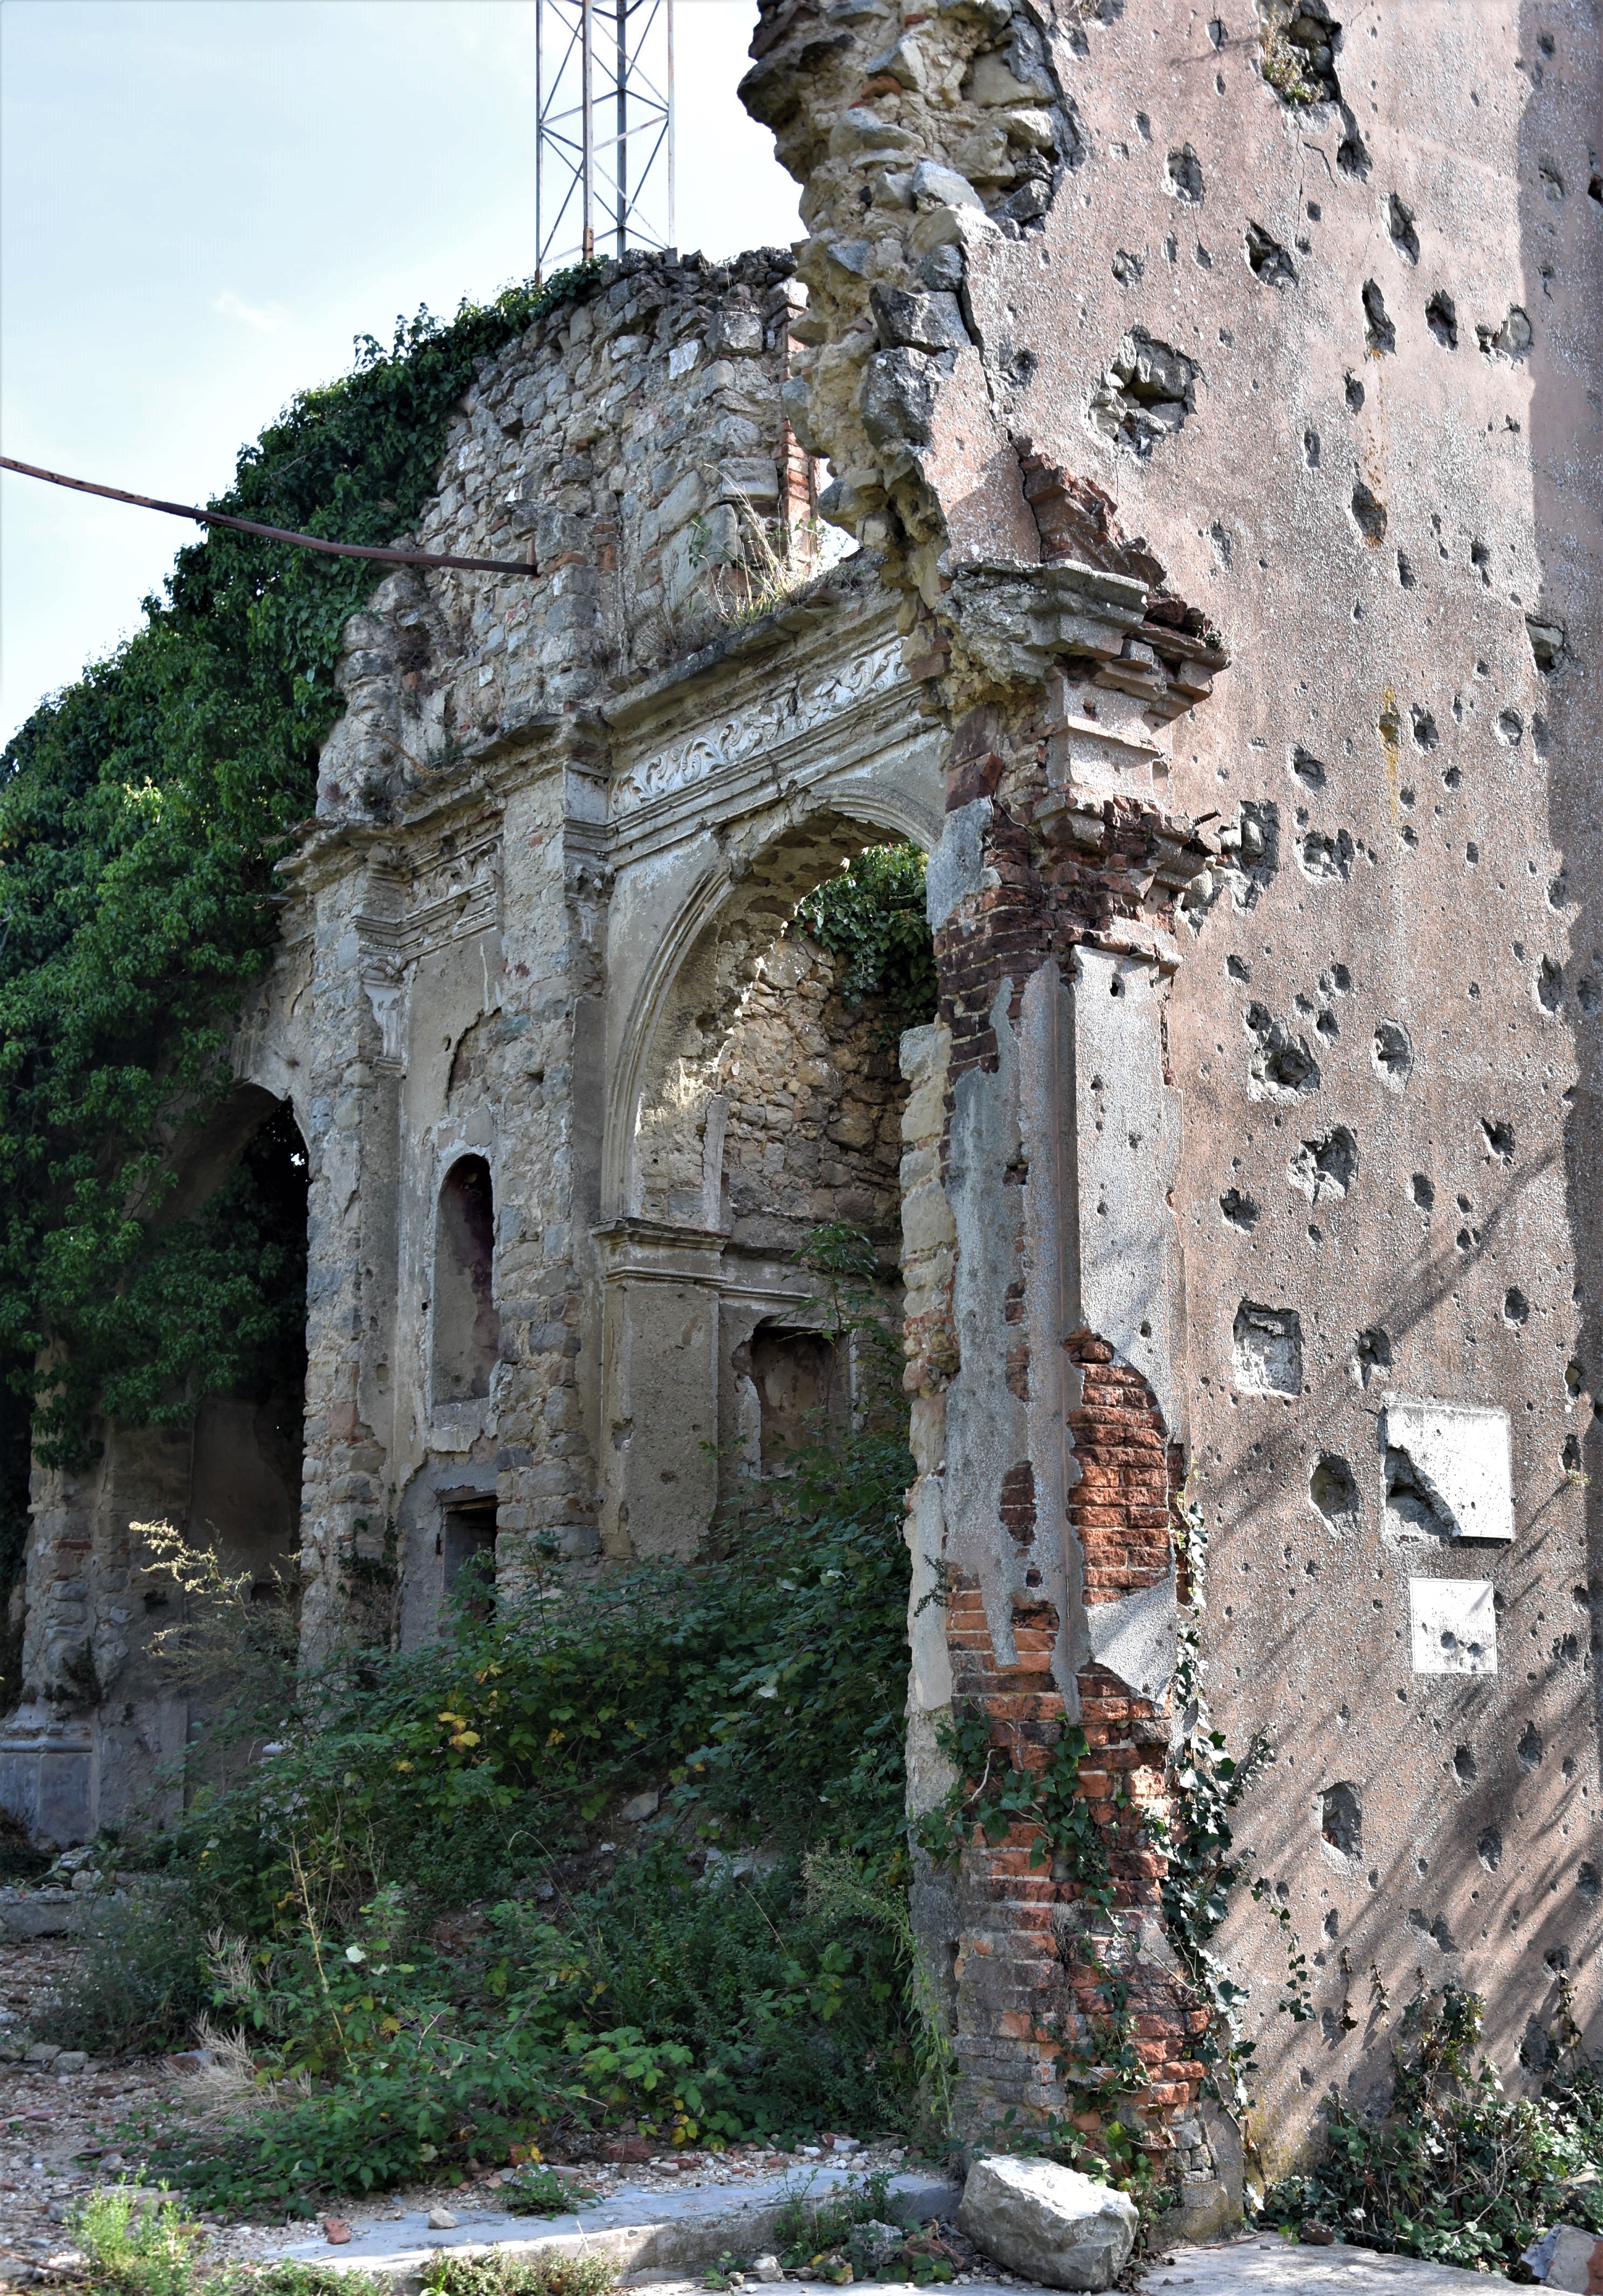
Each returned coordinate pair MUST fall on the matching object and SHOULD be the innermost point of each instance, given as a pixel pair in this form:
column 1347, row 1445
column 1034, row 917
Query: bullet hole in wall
column 1511, row 341
column 1570, row 1458
column 1498, row 1137
column 1400, row 223
column 1182, row 175
column 1369, row 513
column 1414, row 1507
column 1240, row 1211
column 1321, row 858
column 1425, row 736
column 1308, row 768
column 1341, row 1818
column 1406, row 577
column 1392, row 1053
column 1423, row 1193
column 1489, row 1849
column 1127, row 269
column 1549, row 984
column 1574, row 1376
column 1510, row 726
column 1311, row 450
column 1334, row 1490
column 1548, row 639
column 1145, row 393
column 1354, row 391
column 1379, row 335
column 1238, row 968
column 1530, row 1748
column 1336, row 980
column 1464, row 1765
column 1587, row 1881
column 1442, row 318
column 1282, row 1069
column 1371, row 1353
column 1267, row 260
column 1516, row 1307
column 1325, row 1168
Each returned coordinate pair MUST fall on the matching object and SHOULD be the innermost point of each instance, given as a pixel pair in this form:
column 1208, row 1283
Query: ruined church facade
column 1210, row 407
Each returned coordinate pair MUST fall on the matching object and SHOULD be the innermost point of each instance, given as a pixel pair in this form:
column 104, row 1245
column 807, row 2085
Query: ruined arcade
column 1206, row 410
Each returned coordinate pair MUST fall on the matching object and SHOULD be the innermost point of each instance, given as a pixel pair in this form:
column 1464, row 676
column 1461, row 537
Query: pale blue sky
column 202, row 201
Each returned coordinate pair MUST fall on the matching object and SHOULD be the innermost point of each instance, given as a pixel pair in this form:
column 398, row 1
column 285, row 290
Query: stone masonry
column 1209, row 401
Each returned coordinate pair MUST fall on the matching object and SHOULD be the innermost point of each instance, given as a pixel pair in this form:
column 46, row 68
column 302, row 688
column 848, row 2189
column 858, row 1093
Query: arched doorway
column 766, row 1107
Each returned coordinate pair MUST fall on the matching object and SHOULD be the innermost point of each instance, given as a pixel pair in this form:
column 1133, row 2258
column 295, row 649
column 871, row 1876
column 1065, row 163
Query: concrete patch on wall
column 1267, row 1349
column 1447, row 1469
column 1134, row 1638
column 1452, row 1626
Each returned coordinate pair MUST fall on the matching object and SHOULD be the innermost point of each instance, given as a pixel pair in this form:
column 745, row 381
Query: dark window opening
column 467, row 1546
column 467, row 1327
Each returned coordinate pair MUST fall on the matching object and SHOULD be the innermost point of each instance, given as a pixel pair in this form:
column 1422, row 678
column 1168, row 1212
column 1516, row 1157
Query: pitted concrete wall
column 1314, row 313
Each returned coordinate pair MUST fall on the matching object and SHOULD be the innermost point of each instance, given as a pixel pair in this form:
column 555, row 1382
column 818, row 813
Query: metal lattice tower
column 604, row 141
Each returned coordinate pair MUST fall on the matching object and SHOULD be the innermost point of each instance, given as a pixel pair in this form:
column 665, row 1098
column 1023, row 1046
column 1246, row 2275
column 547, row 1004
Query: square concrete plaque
column 1454, row 1628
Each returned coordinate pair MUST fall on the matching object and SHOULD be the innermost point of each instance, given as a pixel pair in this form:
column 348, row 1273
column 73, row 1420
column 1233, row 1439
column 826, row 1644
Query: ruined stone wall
column 1306, row 307
column 630, row 442
column 810, row 1102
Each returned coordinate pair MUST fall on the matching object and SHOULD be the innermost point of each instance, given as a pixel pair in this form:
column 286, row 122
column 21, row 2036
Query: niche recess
column 467, row 1328
column 795, row 1374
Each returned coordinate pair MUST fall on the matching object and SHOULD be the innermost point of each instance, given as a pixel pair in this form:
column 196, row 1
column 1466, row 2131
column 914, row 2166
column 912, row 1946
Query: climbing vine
column 993, row 1795
column 142, row 814
column 872, row 913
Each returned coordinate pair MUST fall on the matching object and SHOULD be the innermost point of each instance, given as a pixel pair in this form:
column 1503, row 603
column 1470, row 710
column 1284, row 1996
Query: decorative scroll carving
column 768, row 725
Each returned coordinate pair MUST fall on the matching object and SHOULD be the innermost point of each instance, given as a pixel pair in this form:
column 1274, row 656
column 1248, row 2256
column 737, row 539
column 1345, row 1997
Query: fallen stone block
column 1567, row 2257
column 1051, row 2224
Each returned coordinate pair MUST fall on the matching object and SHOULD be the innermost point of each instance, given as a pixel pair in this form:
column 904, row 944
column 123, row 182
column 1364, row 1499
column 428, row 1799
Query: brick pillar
column 1051, row 1430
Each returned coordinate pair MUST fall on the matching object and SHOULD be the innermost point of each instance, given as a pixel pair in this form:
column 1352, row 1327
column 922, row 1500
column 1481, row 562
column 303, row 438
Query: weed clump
column 1454, row 2170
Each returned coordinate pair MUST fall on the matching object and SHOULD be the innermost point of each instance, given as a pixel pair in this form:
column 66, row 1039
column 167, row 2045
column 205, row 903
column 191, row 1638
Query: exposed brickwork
column 1032, row 1969
column 1122, row 1506
column 1051, row 892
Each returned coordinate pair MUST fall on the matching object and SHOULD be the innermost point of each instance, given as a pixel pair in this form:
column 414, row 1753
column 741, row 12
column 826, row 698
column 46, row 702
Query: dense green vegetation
column 1454, row 2168
column 872, row 913
column 142, row 812
column 407, row 1907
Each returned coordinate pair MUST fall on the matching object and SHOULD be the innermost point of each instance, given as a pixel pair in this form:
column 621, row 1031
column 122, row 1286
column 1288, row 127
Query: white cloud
column 266, row 318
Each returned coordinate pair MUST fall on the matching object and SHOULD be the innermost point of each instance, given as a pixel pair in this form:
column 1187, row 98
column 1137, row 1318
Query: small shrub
column 138, row 1979
column 537, row 2191
column 134, row 2244
column 497, row 2273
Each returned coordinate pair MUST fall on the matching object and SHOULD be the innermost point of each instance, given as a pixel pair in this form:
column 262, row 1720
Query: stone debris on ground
column 1057, row 2226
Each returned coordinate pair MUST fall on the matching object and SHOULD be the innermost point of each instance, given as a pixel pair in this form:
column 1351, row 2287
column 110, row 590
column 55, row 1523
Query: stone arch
column 708, row 957
column 751, row 1105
